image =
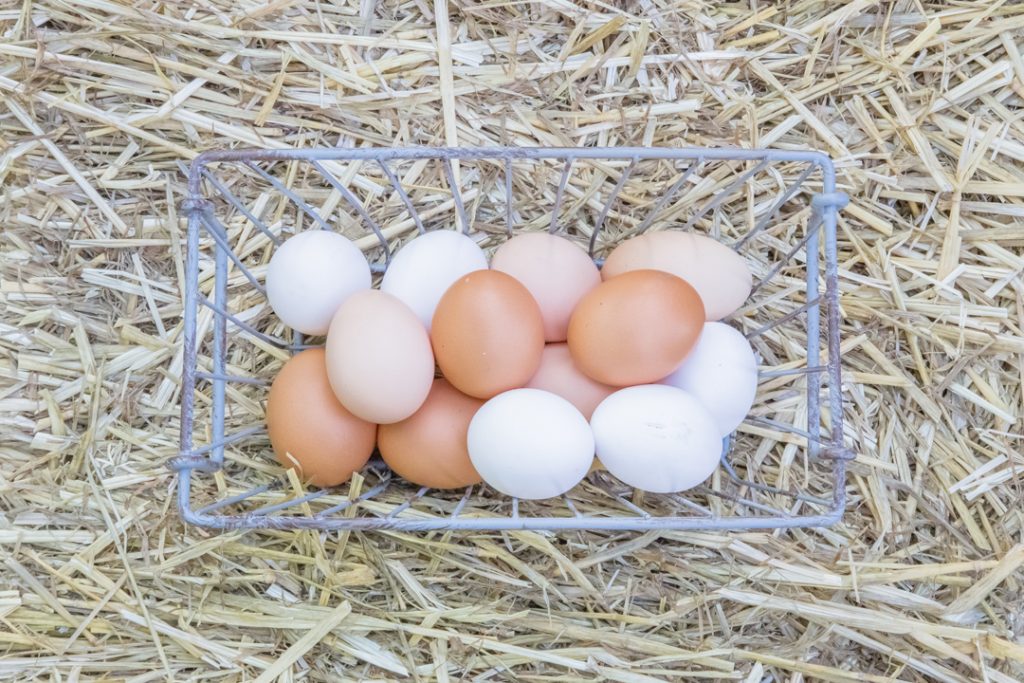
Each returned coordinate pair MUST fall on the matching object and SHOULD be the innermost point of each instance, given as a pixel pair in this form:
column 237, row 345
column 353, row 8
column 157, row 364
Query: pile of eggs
column 517, row 373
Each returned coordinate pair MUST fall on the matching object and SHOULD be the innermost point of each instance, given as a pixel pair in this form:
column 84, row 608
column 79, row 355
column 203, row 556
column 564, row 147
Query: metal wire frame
column 193, row 460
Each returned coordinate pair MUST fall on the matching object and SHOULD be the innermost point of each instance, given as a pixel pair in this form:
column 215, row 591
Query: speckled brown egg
column 429, row 448
column 487, row 334
column 635, row 328
column 309, row 428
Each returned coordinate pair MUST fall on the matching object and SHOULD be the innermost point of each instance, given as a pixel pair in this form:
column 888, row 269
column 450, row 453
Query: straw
column 918, row 103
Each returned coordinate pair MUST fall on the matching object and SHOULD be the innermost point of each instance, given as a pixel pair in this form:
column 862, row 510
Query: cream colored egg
column 718, row 273
column 379, row 360
column 557, row 272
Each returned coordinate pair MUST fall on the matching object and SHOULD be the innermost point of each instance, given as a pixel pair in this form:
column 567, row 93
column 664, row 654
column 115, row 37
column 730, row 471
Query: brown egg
column 429, row 448
column 559, row 375
column 309, row 428
column 635, row 328
column 488, row 334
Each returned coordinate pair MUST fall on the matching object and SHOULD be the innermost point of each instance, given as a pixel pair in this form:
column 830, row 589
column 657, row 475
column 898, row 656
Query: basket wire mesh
column 784, row 467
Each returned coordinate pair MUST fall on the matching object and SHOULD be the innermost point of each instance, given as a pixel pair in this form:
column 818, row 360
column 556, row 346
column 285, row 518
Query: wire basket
column 783, row 467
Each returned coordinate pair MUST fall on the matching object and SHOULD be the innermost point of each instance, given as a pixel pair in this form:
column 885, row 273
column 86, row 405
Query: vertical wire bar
column 623, row 177
column 220, row 235
column 354, row 202
column 406, row 199
column 188, row 368
column 219, row 349
column 462, row 503
column 240, row 207
column 666, row 198
column 765, row 374
column 813, row 341
column 682, row 500
column 835, row 370
column 284, row 505
column 240, row 435
column 256, row 381
column 563, row 181
column 734, row 475
column 785, row 197
column 456, row 195
column 725, row 194
column 572, row 506
column 287, row 192
column 231, row 500
column 784, row 319
column 633, row 506
column 242, row 325
column 404, row 506
column 781, row 263
column 745, row 502
column 782, row 427
column 366, row 495
column 508, row 197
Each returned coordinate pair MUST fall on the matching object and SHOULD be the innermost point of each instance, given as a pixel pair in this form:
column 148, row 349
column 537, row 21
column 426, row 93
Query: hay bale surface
column 919, row 103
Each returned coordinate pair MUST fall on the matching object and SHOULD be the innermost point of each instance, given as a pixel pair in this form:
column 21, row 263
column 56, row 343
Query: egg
column 429, row 448
column 721, row 373
column 488, row 335
column 636, row 328
column 379, row 360
column 309, row 428
column 311, row 275
column 718, row 273
column 423, row 270
column 559, row 375
column 656, row 438
column 556, row 272
column 530, row 444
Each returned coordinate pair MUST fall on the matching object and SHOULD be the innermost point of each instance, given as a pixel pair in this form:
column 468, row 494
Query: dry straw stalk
column 918, row 102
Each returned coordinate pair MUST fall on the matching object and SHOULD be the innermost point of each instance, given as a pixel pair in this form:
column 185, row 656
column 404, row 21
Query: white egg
column 423, row 270
column 309, row 277
column 721, row 373
column 530, row 443
column 656, row 438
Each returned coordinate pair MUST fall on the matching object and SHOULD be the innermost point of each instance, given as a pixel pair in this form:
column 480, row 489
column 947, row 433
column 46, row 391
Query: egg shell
column 487, row 334
column 310, row 275
column 429, row 448
column 379, row 360
column 530, row 444
column 309, row 428
column 721, row 373
column 636, row 328
column 656, row 438
column 423, row 270
column 718, row 273
column 559, row 375
column 557, row 272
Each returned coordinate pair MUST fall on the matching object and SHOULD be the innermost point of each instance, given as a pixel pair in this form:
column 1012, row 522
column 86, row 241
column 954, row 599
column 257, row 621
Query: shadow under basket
column 785, row 466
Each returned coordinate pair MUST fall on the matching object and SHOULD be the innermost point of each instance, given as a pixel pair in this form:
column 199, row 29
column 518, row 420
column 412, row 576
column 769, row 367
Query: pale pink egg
column 557, row 272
